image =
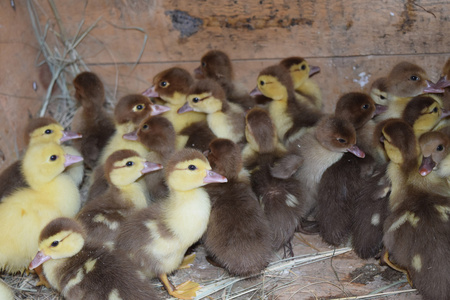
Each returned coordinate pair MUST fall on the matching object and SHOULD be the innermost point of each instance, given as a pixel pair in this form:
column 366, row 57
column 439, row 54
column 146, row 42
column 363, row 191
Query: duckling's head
column 47, row 129
column 61, row 238
column 189, row 169
column 44, row 161
column 224, row 157
column 299, row 69
column 275, row 82
column 134, row 108
column 89, row 90
column 406, row 80
column 435, row 147
column 423, row 113
column 156, row 133
column 260, row 131
column 206, row 96
column 215, row 64
column 337, row 135
column 400, row 143
column 358, row 108
column 124, row 167
column 171, row 85
column 378, row 91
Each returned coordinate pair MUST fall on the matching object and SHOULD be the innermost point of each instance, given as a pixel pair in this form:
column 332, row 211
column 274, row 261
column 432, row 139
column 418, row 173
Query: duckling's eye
column 163, row 84
column 48, row 131
column 439, row 148
column 203, row 64
column 303, row 67
column 195, row 100
column 435, row 110
column 365, row 106
column 262, row 82
column 192, row 167
column 54, row 244
column 53, row 157
column 414, row 78
column 342, row 141
column 145, row 127
column 129, row 163
column 382, row 97
column 139, row 107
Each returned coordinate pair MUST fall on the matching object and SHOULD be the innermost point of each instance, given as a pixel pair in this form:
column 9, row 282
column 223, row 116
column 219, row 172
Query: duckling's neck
column 177, row 99
column 186, row 213
column 278, row 111
column 181, row 121
column 52, row 271
column 135, row 194
column 220, row 125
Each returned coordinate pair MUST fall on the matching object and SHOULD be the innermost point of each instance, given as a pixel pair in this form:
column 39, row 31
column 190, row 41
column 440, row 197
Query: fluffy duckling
column 315, row 152
column 435, row 165
column 280, row 198
column 25, row 212
column 157, row 134
column 128, row 113
column 172, row 86
column 216, row 65
column 103, row 215
column 291, row 118
column 238, row 236
column 39, row 130
column 79, row 270
column 197, row 136
column 419, row 217
column 167, row 228
column 306, row 90
column 225, row 119
column 91, row 119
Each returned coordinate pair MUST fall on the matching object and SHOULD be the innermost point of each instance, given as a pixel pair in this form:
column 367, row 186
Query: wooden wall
column 353, row 41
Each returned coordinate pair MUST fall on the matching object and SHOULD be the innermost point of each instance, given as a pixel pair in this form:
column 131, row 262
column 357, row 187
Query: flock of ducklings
column 203, row 160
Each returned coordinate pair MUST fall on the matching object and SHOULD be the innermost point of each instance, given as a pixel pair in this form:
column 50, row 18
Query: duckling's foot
column 385, row 259
column 187, row 261
column 187, row 290
column 308, row 227
column 42, row 280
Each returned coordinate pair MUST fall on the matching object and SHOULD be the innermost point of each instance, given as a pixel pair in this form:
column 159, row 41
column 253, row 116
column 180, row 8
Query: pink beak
column 38, row 260
column 71, row 159
column 255, row 92
column 212, row 177
column 69, row 135
column 150, row 167
column 150, row 92
column 356, row 151
column 158, row 109
column 185, row 108
column 427, row 166
column 131, row 136
column 313, row 70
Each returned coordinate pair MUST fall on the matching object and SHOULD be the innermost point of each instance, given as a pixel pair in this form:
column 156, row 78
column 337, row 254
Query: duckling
column 39, row 130
column 79, row 270
column 91, row 119
column 103, row 215
column 238, row 236
column 291, row 118
column 156, row 238
column 280, row 198
column 128, row 113
column 306, row 90
column 197, row 136
column 419, row 217
column 26, row 211
column 157, row 134
column 435, row 148
column 172, row 86
column 216, row 65
column 315, row 152
column 378, row 91
column 225, row 119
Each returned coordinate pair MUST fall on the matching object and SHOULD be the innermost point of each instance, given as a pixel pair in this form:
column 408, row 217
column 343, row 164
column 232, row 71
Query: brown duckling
column 280, row 198
column 91, row 119
column 103, row 215
column 216, row 65
column 238, row 236
column 419, row 217
column 225, row 119
column 172, row 86
column 435, row 147
column 306, row 90
column 156, row 238
column 79, row 270
column 292, row 119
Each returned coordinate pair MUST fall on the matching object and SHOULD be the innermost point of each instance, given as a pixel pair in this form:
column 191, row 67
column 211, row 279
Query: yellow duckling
column 79, row 270
column 156, row 238
column 25, row 212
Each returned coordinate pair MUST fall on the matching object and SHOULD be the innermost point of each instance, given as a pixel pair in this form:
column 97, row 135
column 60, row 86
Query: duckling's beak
column 313, row 70
column 426, row 166
column 131, row 136
column 38, row 260
column 185, row 108
column 379, row 109
column 255, row 92
column 71, row 159
column 158, row 109
column 150, row 92
column 198, row 71
column 150, row 167
column 438, row 87
column 445, row 113
column 212, row 177
column 69, row 135
column 356, row 151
